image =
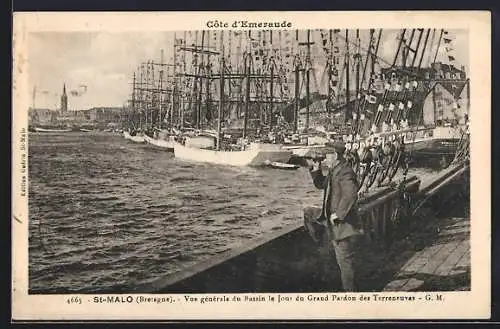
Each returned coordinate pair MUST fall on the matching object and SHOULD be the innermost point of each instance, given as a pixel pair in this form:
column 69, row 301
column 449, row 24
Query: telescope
column 315, row 157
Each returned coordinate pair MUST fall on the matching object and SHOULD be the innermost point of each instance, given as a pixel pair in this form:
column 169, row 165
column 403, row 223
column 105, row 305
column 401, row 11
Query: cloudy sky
column 104, row 63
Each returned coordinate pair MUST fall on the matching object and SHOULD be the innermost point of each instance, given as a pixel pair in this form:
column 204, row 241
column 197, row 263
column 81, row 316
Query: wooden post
column 297, row 98
column 401, row 38
column 438, row 45
column 160, row 119
column 175, row 87
column 425, row 47
column 383, row 218
column 406, row 51
column 247, row 92
column 308, row 68
column 153, row 92
column 207, row 82
column 415, row 52
column 198, row 111
column 141, row 94
column 221, row 96
column 133, row 99
column 468, row 96
column 347, row 112
column 358, row 95
column 182, row 94
column 330, row 67
column 272, row 98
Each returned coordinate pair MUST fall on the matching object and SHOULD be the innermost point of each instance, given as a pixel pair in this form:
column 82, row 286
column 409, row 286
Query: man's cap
column 336, row 146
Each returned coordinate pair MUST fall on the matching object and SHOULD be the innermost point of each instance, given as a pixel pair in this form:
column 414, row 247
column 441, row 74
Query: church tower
column 64, row 100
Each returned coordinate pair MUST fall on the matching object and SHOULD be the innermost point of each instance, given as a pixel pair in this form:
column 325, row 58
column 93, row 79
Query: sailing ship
column 157, row 135
column 247, row 109
column 133, row 137
column 216, row 147
column 44, row 130
column 387, row 118
column 399, row 96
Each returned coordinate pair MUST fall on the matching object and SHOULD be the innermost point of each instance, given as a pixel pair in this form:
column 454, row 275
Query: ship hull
column 434, row 146
column 302, row 151
column 441, row 145
column 255, row 156
column 135, row 139
column 43, row 130
column 283, row 166
column 160, row 143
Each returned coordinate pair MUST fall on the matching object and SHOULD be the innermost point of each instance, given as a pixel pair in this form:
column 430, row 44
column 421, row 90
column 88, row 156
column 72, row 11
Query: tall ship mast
column 388, row 123
column 249, row 86
column 379, row 107
column 279, row 84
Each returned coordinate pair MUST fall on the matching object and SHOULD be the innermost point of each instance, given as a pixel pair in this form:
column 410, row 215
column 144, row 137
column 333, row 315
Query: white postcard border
column 455, row 305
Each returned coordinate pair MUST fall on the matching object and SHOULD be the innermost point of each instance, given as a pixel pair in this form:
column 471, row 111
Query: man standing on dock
column 336, row 223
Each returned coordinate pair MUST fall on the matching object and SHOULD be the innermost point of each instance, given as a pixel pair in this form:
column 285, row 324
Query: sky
column 99, row 66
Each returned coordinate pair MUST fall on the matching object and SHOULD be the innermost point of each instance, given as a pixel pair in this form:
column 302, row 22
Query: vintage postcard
column 251, row 165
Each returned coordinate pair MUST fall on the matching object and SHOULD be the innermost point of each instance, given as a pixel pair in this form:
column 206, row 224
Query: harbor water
column 106, row 214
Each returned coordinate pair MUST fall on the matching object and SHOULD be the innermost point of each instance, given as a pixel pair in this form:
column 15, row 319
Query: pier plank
column 434, row 262
column 411, row 268
column 451, row 262
column 421, row 258
column 440, row 266
column 463, row 264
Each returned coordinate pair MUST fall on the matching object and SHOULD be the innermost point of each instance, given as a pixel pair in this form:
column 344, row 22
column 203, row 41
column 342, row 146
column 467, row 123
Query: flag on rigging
column 372, row 99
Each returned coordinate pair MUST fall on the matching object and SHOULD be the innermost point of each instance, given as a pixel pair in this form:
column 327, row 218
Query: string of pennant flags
column 280, row 51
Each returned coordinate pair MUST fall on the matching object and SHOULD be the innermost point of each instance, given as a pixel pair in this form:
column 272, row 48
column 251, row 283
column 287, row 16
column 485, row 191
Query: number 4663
column 74, row 300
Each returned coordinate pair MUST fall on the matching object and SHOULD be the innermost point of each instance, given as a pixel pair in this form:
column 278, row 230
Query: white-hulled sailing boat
column 43, row 130
column 253, row 154
column 162, row 141
column 134, row 138
column 162, row 138
column 132, row 133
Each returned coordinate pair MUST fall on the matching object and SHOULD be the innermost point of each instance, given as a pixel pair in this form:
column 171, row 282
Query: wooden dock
column 396, row 250
column 442, row 265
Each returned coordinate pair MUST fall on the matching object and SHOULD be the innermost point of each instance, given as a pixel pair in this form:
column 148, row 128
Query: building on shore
column 64, row 100
column 42, row 116
column 103, row 114
column 448, row 102
column 98, row 117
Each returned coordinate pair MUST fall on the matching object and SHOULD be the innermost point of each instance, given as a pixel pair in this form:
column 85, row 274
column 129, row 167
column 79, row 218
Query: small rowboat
column 281, row 165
